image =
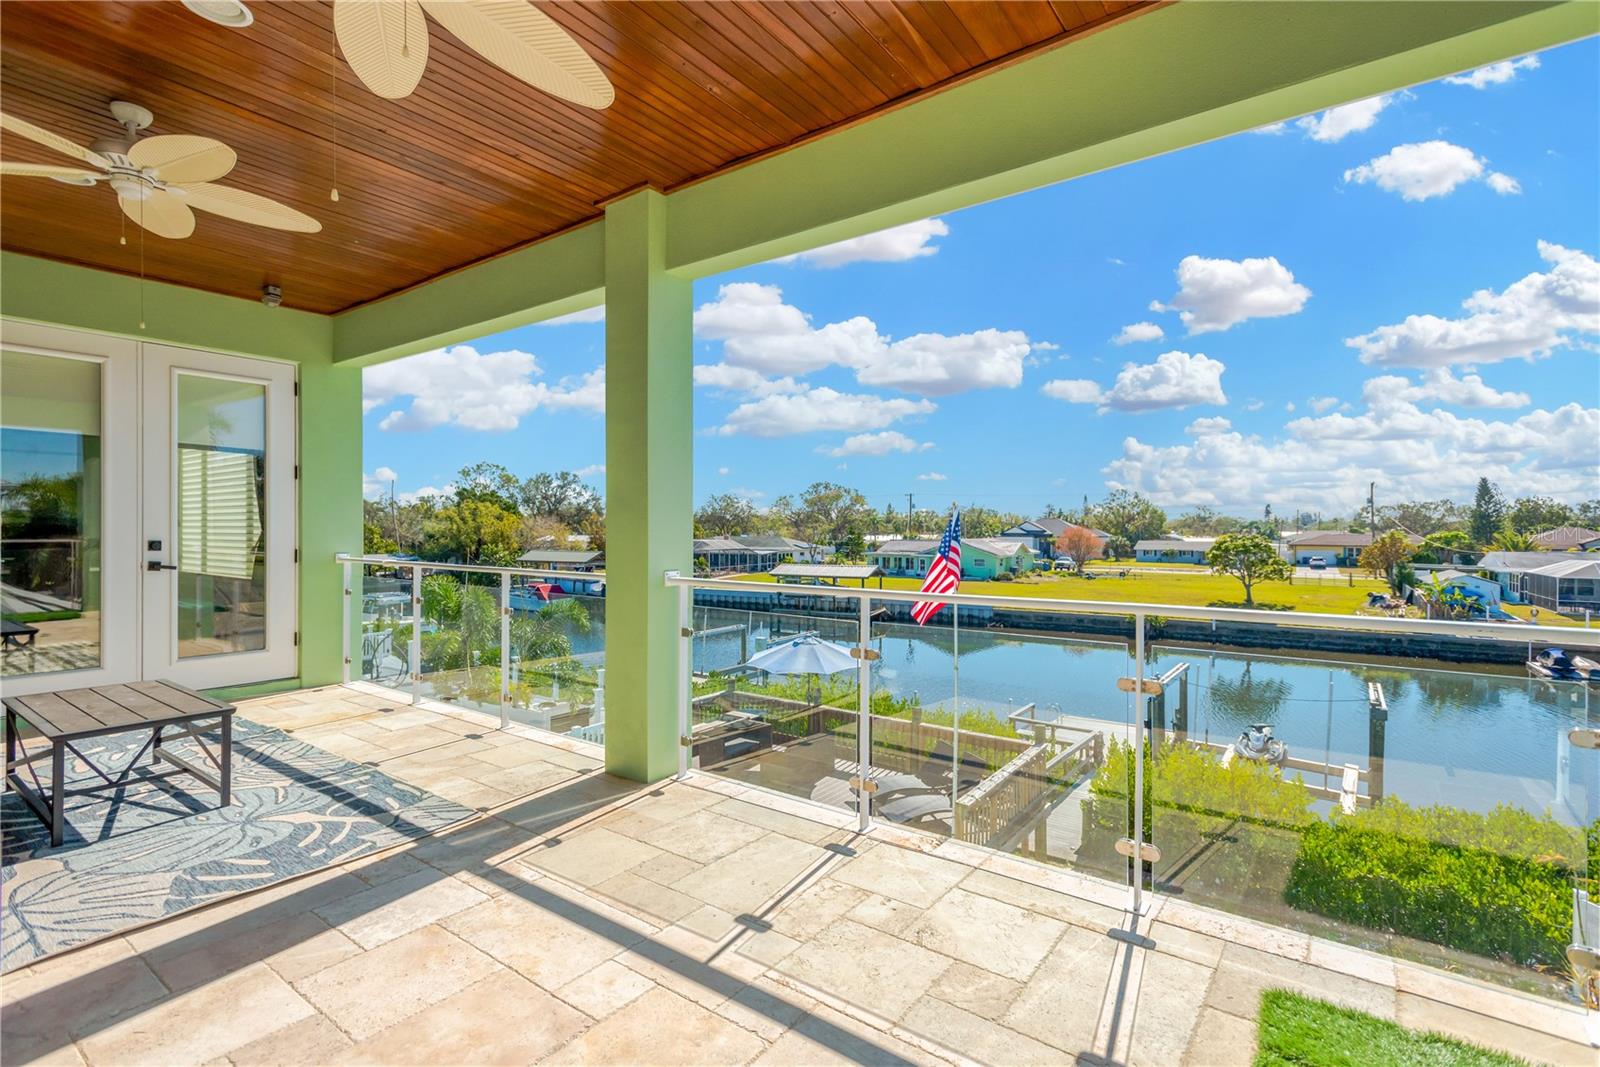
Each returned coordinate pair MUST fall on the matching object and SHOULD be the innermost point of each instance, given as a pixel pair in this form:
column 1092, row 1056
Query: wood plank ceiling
column 474, row 162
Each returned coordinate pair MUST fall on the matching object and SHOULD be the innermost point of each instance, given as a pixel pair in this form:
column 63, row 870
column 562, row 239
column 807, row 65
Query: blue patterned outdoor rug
column 153, row 848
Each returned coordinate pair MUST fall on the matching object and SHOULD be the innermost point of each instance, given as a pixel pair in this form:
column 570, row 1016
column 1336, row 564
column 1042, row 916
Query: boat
column 1555, row 665
column 1257, row 743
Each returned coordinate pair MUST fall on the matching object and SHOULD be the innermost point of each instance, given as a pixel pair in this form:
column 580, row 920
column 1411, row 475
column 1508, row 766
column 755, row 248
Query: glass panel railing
column 555, row 659
column 1433, row 807
column 380, row 601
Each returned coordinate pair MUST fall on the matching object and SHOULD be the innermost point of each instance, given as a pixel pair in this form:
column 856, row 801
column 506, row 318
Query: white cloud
column 1532, row 316
column 448, row 489
column 931, row 476
column 1327, row 461
column 591, row 470
column 1174, row 380
column 1337, row 123
column 723, row 471
column 762, row 334
column 1289, row 406
column 462, row 387
column 1319, row 404
column 1504, row 184
column 1254, row 405
column 1272, row 129
column 742, row 380
column 894, row 245
column 1438, row 384
column 1495, row 73
column 1139, row 331
column 1211, row 424
column 585, row 392
column 378, row 483
column 876, row 444
column 817, row 410
column 1428, row 169
column 1214, row 294
column 587, row 315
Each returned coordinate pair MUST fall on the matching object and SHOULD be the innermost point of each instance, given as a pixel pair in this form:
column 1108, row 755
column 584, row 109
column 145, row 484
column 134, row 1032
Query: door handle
column 157, row 565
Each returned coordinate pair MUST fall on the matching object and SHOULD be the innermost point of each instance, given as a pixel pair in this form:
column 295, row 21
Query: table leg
column 155, row 747
column 227, row 760
column 58, row 792
column 11, row 745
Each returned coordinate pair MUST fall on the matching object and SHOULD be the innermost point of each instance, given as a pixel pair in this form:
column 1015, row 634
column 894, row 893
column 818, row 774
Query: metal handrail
column 482, row 568
column 1521, row 633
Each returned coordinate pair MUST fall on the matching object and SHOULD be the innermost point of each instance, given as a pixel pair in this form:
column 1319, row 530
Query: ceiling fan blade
column 384, row 41
column 523, row 41
column 241, row 206
column 23, row 128
column 48, row 170
column 161, row 213
column 183, row 157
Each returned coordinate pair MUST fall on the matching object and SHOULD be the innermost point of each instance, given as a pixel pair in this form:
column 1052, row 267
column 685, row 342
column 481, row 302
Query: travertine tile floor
column 584, row 919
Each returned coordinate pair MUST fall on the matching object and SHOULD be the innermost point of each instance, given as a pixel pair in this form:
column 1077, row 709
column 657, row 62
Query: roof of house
column 901, row 546
column 995, row 546
column 1565, row 537
column 721, row 544
column 1451, row 574
column 1332, row 539
column 826, row 570
column 1175, row 544
column 1515, row 562
column 1570, row 568
column 561, row 555
column 768, row 541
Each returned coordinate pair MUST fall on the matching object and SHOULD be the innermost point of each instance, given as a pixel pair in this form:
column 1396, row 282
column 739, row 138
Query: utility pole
column 394, row 515
column 1372, row 509
column 910, row 516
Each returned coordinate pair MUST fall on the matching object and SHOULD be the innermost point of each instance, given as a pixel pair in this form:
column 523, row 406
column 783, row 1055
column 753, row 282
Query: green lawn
column 1186, row 588
column 1123, row 564
column 1546, row 616
column 1298, row 1031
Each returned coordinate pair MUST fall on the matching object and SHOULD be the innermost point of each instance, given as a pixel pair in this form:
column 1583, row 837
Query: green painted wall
column 649, row 482
column 40, row 290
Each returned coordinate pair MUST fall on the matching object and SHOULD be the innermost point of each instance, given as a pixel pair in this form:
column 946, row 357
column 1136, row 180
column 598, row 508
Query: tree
column 1206, row 522
column 488, row 482
column 474, row 531
column 978, row 521
column 1444, row 544
column 1536, row 514
column 1387, row 553
column 543, row 531
column 852, row 545
column 1421, row 517
column 827, row 511
column 1587, row 514
column 1080, row 543
column 1250, row 558
column 1509, row 540
column 562, row 496
column 724, row 515
column 373, row 542
column 1488, row 512
column 1128, row 517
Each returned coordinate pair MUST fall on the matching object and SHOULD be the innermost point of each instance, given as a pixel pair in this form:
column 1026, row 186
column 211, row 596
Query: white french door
column 149, row 505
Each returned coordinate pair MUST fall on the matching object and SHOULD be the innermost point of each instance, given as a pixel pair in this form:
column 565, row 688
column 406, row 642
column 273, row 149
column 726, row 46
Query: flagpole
column 955, row 718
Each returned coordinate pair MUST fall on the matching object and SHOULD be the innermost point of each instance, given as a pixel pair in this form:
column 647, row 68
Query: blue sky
column 1401, row 290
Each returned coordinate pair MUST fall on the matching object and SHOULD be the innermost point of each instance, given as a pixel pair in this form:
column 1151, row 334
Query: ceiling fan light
column 230, row 13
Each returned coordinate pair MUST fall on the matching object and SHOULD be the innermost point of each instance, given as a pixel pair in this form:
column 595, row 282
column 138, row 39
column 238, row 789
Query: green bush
column 1496, row 884
column 1186, row 778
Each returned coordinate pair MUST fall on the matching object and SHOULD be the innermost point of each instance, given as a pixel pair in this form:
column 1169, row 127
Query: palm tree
column 1509, row 540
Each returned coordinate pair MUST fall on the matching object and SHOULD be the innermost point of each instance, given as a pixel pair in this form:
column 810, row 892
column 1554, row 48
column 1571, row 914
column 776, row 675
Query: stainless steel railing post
column 345, row 629
column 416, row 634
column 505, row 649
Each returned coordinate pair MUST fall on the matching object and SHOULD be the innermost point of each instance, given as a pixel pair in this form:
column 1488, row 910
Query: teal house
column 981, row 557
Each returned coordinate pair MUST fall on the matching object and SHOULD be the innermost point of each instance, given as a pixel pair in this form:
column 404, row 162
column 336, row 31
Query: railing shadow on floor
column 567, row 806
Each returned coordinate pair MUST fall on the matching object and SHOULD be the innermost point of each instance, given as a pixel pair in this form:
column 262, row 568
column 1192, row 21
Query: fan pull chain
column 333, row 194
column 141, row 264
column 122, row 228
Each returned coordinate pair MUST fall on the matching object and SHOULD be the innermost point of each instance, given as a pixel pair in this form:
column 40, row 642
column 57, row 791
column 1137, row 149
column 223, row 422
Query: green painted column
column 649, row 482
column 330, row 513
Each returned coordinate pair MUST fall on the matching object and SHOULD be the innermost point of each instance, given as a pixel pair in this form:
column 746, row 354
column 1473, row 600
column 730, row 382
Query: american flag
column 944, row 576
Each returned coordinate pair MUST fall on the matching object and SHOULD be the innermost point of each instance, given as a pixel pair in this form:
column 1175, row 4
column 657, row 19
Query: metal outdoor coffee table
column 71, row 716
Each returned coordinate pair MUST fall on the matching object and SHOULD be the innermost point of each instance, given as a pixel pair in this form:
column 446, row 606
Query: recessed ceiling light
column 230, row 13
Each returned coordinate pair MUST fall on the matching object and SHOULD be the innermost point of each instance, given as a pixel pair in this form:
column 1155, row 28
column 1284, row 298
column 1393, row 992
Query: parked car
column 1317, row 563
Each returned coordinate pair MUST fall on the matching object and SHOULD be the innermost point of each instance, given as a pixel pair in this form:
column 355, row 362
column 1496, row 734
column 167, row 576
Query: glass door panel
column 64, row 622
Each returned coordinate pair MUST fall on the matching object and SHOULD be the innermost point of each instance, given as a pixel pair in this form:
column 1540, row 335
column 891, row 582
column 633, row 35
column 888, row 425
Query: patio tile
column 1076, row 910
column 484, row 841
column 502, row 1019
column 766, row 1009
column 816, row 907
column 711, row 923
column 1221, row 1040
column 311, row 1040
column 233, row 917
column 827, row 1037
column 766, row 947
column 691, row 966
column 386, row 867
column 1353, row 961
column 387, row 911
column 1422, row 1013
column 1166, row 1010
column 369, row 993
column 1186, row 944
column 1060, row 1005
column 744, row 880
column 859, row 964
column 974, row 1036
column 604, row 989
column 523, row 779
column 991, row 934
column 973, row 989
column 703, row 836
column 293, row 947
column 886, row 914
column 651, row 899
column 589, row 857
column 203, row 1023
column 514, row 753
column 520, row 933
column 666, row 868
column 1234, row 930
column 782, row 822
column 662, row 1029
column 46, row 1006
column 1245, row 972
column 893, row 872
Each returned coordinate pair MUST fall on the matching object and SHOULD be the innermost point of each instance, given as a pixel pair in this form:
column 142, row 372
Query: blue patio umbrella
column 806, row 654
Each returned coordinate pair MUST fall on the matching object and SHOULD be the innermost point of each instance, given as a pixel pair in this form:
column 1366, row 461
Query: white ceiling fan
column 386, row 44
column 158, row 180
